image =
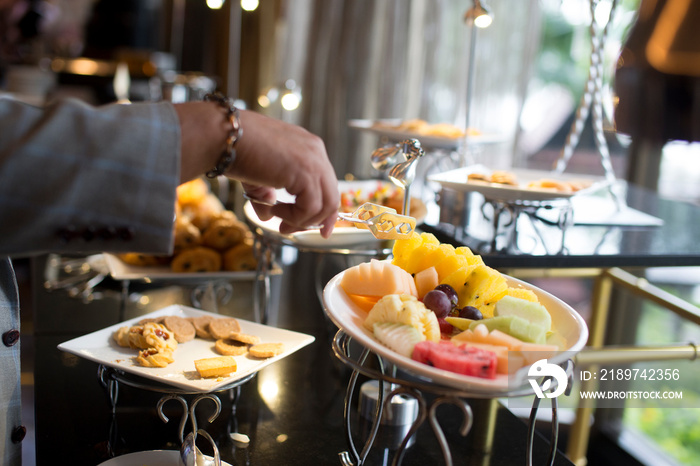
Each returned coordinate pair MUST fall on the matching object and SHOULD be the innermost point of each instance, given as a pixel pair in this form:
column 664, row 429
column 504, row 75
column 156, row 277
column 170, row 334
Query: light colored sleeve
column 77, row 178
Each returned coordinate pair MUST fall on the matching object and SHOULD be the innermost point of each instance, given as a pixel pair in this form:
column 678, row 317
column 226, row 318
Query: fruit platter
column 441, row 314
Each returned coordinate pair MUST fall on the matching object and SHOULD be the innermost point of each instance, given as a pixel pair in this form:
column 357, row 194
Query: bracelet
column 232, row 115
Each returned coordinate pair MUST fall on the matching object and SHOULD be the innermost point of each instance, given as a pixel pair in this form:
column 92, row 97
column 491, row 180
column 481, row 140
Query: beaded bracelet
column 232, row 114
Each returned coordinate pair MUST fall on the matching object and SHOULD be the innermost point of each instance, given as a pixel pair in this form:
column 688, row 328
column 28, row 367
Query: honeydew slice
column 515, row 326
column 533, row 312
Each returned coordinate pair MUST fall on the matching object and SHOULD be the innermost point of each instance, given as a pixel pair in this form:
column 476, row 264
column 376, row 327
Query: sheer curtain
column 371, row 59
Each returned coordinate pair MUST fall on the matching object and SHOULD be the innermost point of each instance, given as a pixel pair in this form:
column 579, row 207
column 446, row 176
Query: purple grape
column 438, row 302
column 470, row 312
column 450, row 292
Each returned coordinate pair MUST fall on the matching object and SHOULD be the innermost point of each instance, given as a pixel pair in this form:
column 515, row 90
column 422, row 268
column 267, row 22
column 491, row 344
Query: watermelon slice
column 461, row 359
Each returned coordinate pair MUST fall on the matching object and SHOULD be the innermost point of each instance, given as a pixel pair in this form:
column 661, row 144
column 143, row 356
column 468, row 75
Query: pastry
column 192, row 192
column 478, row 177
column 215, row 367
column 224, row 233
column 240, row 258
column 182, row 329
column 229, row 347
column 197, row 259
column 503, row 177
column 185, row 235
column 152, row 335
column 266, row 350
column 142, row 260
column 121, row 336
column 551, row 185
column 152, row 357
column 222, row 328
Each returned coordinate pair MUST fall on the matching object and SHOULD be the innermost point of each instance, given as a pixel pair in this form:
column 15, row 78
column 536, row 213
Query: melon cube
column 531, row 352
column 426, row 280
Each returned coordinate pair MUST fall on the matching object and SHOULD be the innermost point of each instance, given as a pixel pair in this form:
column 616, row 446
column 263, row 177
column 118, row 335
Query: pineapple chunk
column 450, row 265
column 404, row 309
column 522, row 293
column 403, row 247
column 482, row 288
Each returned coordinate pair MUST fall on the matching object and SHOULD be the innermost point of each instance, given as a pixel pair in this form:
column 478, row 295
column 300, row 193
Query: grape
column 438, row 302
column 470, row 312
column 450, row 292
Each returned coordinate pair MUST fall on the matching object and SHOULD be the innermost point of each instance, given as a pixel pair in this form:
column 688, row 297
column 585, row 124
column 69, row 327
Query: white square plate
column 101, row 348
column 120, row 270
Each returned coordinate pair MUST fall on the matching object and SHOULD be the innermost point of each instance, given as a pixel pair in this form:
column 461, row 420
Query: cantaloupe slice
column 426, row 280
column 532, row 352
column 507, row 361
column 366, row 303
column 377, row 278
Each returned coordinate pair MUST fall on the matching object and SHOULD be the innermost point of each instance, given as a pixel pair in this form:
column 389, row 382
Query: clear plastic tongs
column 383, row 222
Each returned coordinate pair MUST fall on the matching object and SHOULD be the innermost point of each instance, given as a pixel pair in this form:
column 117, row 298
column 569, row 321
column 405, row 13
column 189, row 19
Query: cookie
column 240, row 258
column 158, row 320
column 229, row 347
column 215, row 367
column 244, row 338
column 152, row 357
column 503, row 177
column 222, row 328
column 266, row 350
column 182, row 329
column 201, row 326
column 197, row 259
column 224, row 233
column 121, row 336
column 152, row 335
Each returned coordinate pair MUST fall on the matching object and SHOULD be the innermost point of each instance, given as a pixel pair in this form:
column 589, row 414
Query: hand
column 275, row 154
column 270, row 154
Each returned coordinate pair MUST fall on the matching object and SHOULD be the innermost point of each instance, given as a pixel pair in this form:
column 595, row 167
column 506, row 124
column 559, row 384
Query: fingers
column 263, row 198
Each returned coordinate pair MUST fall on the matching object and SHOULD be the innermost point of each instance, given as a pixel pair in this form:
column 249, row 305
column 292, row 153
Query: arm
column 76, row 178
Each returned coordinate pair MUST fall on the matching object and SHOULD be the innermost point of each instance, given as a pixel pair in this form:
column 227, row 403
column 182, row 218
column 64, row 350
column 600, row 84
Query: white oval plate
column 151, row 458
column 570, row 333
column 457, row 180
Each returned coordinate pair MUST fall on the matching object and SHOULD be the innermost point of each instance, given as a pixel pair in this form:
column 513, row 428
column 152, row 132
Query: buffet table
column 291, row 411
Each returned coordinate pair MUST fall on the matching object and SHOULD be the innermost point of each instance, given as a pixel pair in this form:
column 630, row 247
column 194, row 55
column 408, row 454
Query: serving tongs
column 383, row 222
